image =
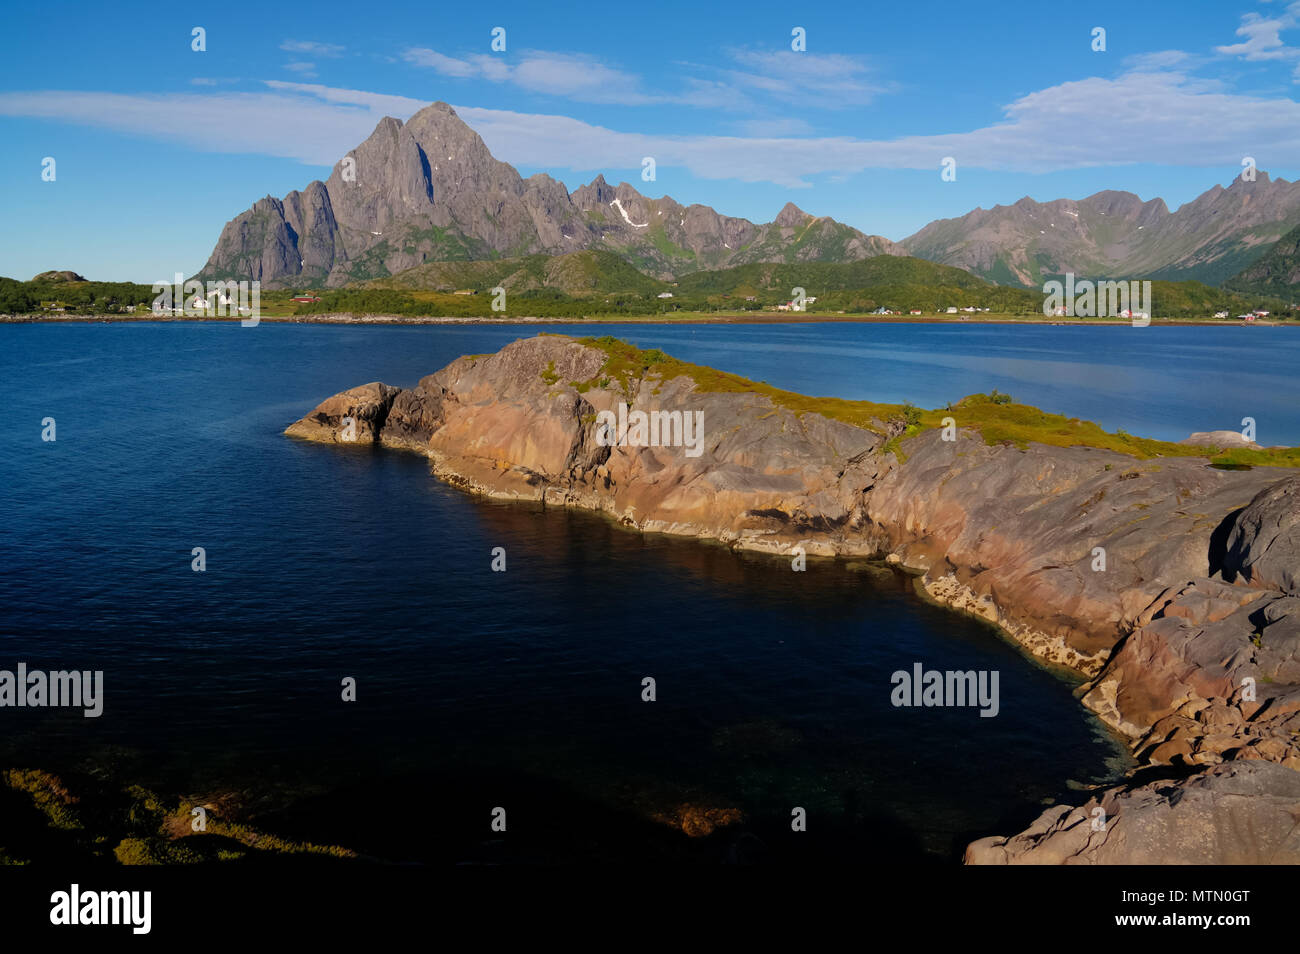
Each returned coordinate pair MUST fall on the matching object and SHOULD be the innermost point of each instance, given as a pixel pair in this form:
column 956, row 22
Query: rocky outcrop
column 1168, row 583
column 1219, row 439
column 1264, row 546
column 428, row 190
column 1242, row 813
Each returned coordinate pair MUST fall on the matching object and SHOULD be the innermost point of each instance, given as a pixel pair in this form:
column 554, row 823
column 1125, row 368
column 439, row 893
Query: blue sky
column 158, row 145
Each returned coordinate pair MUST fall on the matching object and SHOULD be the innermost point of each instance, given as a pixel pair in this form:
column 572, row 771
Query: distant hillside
column 1193, row 299
column 1117, row 235
column 50, row 291
column 821, row 277
column 596, row 282
column 1276, row 274
column 577, row 274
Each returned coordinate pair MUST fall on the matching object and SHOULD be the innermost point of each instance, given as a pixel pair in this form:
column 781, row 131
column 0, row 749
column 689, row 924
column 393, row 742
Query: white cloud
column 446, row 65
column 295, row 121
column 1162, row 118
column 1263, row 38
column 1143, row 116
column 580, row 78
column 1161, row 60
column 822, row 79
column 302, row 69
column 312, row 48
column 828, row 80
column 377, row 104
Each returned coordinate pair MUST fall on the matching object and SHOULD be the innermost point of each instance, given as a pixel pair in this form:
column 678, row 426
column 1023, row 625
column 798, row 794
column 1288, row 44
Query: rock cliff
column 429, row 190
column 1169, row 584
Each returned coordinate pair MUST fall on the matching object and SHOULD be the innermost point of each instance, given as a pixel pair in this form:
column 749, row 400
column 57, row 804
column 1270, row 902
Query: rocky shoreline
column 1172, row 586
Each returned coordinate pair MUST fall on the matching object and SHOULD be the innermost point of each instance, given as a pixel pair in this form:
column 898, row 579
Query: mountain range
column 429, row 191
column 1117, row 235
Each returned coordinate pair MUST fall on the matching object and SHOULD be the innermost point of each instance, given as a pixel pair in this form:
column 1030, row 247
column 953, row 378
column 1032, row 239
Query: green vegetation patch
column 997, row 418
column 48, row 794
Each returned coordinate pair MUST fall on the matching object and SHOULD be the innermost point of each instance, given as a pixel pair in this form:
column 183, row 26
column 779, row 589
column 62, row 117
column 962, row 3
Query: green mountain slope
column 576, row 274
column 1277, row 273
column 821, row 277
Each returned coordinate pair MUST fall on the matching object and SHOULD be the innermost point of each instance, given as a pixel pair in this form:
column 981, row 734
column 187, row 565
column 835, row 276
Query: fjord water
column 523, row 689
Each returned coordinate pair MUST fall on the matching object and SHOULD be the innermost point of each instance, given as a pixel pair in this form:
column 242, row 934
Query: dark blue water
column 1156, row 382
column 519, row 689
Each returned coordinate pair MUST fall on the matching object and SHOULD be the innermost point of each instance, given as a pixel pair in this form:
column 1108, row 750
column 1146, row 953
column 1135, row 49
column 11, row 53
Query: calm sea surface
column 523, row 689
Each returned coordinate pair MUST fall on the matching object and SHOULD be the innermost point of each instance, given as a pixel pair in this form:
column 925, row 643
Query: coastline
column 1003, row 532
column 693, row 319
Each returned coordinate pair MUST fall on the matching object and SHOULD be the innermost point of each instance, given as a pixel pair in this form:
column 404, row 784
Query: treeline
column 749, row 289
column 1195, row 299
column 893, row 271
column 78, row 298
column 551, row 304
column 537, row 304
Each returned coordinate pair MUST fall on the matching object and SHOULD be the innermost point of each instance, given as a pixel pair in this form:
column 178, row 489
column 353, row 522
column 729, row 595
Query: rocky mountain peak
column 1261, row 180
column 430, row 190
column 790, row 216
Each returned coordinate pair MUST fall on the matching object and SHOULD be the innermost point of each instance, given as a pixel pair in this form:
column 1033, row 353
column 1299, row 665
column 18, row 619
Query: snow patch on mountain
column 623, row 212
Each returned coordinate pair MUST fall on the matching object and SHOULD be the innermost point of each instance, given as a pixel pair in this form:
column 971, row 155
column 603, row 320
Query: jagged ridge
column 429, row 190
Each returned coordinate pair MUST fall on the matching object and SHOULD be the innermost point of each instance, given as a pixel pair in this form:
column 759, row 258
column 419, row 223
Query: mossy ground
column 998, row 419
column 44, row 818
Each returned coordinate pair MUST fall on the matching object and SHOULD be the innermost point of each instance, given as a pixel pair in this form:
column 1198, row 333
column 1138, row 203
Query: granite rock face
column 1264, row 546
column 1241, row 813
column 1168, row 583
column 1219, row 439
column 429, row 190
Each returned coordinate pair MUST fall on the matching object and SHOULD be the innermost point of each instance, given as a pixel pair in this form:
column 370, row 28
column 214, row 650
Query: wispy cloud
column 312, row 48
column 325, row 123
column 1150, row 116
column 1262, row 37
column 749, row 77
column 307, row 70
column 573, row 76
column 828, row 80
column 1162, row 118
